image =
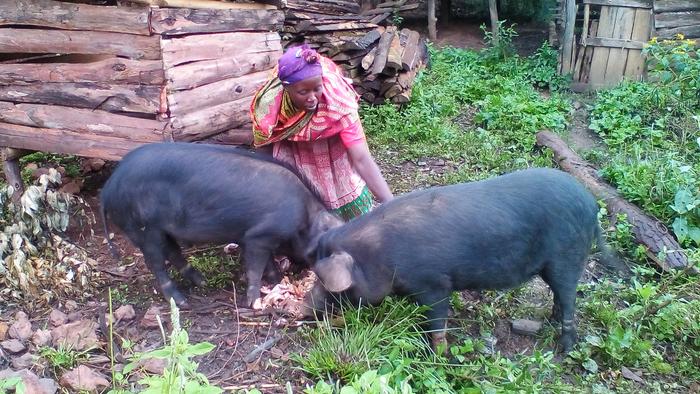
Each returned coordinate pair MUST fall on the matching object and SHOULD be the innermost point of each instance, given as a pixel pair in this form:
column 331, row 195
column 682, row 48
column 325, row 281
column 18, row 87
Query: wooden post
column 10, row 166
column 568, row 42
column 432, row 20
column 493, row 12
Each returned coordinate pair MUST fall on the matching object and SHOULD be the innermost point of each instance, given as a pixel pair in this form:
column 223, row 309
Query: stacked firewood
column 382, row 61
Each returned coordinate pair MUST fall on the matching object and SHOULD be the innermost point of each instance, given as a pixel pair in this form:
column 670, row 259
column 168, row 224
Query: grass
column 480, row 112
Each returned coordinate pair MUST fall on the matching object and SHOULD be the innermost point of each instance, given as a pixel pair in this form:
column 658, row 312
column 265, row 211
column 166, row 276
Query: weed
column 15, row 384
column 63, row 358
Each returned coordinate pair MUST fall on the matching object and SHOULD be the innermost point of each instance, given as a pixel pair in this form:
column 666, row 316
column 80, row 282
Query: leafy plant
column 63, row 358
column 180, row 374
column 14, row 383
column 36, row 262
column 501, row 46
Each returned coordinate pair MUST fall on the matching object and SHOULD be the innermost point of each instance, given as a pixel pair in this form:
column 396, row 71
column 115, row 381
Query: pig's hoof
column 252, row 295
column 196, row 277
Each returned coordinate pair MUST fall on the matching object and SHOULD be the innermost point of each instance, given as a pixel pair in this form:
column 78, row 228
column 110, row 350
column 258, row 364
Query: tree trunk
column 493, row 13
column 647, row 230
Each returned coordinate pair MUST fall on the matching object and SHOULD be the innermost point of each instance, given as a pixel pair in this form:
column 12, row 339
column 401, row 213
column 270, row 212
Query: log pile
column 382, row 61
column 97, row 81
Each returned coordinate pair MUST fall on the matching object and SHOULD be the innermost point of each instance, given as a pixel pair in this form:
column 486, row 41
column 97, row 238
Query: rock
column 83, row 378
column 36, row 174
column 627, row 374
column 22, row 328
column 526, row 327
column 124, row 312
column 4, row 327
column 72, row 187
column 149, row 318
column 57, row 318
column 74, row 316
column 32, row 383
column 41, row 338
column 71, row 305
column 577, row 105
column 24, row 361
column 61, row 170
column 31, row 166
column 13, row 345
column 79, row 335
column 153, row 365
column 95, row 164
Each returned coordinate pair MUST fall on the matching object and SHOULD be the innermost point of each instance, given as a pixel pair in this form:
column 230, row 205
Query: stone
column 36, row 174
column 72, row 187
column 41, row 338
column 22, row 328
column 24, row 361
column 83, row 378
column 4, row 327
column 153, row 365
column 627, row 374
column 526, row 327
column 32, row 383
column 124, row 312
column 95, row 164
column 74, row 316
column 149, row 318
column 13, row 346
column 71, row 305
column 57, row 318
column 79, row 335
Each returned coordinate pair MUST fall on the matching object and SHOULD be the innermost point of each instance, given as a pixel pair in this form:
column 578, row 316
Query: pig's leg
column 563, row 285
column 154, row 249
column 175, row 257
column 437, row 315
column 257, row 256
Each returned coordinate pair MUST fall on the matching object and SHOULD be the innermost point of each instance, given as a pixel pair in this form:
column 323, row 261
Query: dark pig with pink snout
column 492, row 234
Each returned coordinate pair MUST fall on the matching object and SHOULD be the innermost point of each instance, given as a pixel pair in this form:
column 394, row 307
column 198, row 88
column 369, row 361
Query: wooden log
column 393, row 59
column 676, row 5
column 226, row 91
column 622, row 3
column 668, row 20
column 365, row 41
column 66, row 41
column 337, row 26
column 379, row 18
column 390, row 10
column 687, row 31
column 350, row 55
column 493, row 14
column 368, row 59
column 112, row 70
column 82, row 121
column 197, row 125
column 192, row 75
column 174, row 21
column 432, row 20
column 112, row 98
column 645, row 228
column 567, row 62
column 10, row 168
column 380, row 57
column 207, row 4
column 239, row 136
column 62, row 15
column 65, row 142
column 403, row 97
column 410, row 55
column 217, row 46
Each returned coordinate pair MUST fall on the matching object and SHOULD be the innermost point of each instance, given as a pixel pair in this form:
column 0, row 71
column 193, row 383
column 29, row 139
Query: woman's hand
column 365, row 166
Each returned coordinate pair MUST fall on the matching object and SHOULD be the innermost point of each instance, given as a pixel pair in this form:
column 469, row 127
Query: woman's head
column 299, row 69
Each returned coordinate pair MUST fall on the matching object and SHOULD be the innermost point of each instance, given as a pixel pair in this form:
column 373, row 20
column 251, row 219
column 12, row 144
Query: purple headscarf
column 297, row 64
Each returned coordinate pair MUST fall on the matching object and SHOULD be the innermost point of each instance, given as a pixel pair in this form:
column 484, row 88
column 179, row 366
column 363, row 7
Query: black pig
column 492, row 234
column 165, row 194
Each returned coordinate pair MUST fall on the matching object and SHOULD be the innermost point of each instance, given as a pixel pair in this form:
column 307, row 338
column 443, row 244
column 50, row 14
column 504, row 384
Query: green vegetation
column 480, row 111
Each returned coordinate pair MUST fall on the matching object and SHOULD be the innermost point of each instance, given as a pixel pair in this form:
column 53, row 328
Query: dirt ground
column 217, row 316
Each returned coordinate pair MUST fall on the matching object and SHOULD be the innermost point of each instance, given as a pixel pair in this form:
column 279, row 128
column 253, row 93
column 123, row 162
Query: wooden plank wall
column 99, row 80
column 610, row 46
column 673, row 17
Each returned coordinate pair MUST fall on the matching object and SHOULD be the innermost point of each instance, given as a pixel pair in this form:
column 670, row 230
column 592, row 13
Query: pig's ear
column 335, row 271
column 323, row 222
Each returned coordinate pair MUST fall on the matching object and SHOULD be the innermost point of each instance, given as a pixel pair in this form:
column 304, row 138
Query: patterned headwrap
column 297, row 64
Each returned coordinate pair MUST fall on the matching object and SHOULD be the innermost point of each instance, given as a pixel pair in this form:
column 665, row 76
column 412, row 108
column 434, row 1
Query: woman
column 308, row 112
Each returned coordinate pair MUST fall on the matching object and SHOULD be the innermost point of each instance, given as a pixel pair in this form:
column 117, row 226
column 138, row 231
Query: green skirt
column 362, row 204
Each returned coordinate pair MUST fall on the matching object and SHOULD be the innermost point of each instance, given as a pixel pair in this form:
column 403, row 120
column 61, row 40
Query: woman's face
column 306, row 94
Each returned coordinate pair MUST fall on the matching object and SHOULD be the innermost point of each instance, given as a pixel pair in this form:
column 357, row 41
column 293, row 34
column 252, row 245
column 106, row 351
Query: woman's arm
column 365, row 166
